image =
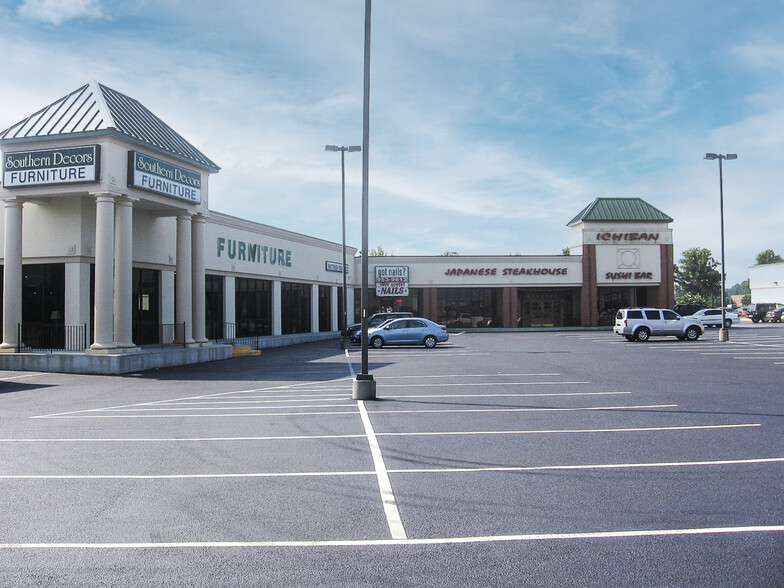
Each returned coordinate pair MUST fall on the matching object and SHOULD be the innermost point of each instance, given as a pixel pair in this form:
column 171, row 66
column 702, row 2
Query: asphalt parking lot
column 498, row 459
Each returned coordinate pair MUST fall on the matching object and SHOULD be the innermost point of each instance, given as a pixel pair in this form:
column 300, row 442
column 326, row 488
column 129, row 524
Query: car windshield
column 377, row 321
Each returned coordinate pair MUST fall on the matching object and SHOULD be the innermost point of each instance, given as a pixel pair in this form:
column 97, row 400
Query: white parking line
column 21, row 376
column 387, row 496
column 527, row 409
column 608, row 466
column 382, row 434
column 404, row 542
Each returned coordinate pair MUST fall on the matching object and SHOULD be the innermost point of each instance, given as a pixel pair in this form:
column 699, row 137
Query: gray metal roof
column 620, row 210
column 94, row 108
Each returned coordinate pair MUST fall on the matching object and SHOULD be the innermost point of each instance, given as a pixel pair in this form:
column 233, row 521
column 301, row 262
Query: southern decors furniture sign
column 392, row 280
column 65, row 165
column 155, row 175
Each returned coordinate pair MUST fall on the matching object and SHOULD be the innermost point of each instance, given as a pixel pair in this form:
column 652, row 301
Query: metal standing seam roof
column 94, row 108
column 620, row 210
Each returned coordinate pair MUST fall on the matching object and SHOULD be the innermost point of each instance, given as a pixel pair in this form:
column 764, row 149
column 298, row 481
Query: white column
column 183, row 303
column 199, row 280
column 314, row 308
column 167, row 305
column 350, row 318
column 12, row 276
column 123, row 274
column 277, row 320
column 335, row 310
column 77, row 293
column 104, row 279
column 229, row 305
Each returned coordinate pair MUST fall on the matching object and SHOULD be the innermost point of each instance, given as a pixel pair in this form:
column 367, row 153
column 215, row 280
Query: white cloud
column 57, row 12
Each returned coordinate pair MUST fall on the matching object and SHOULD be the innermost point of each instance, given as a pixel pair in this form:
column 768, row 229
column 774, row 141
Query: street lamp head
column 711, row 156
column 331, row 148
column 732, row 156
column 353, row 148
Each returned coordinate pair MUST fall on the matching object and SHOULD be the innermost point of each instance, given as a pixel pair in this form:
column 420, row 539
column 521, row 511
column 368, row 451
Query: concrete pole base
column 724, row 335
column 363, row 387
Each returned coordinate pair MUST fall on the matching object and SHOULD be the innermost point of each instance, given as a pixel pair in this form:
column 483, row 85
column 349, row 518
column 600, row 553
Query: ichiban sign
column 392, row 280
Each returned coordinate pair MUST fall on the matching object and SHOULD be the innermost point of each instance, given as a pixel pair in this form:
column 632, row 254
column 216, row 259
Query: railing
column 51, row 337
column 245, row 333
column 151, row 334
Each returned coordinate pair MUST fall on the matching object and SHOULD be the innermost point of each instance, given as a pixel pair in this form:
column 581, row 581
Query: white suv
column 640, row 324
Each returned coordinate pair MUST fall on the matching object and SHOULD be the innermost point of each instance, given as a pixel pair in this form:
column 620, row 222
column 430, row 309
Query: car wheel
column 377, row 342
column 642, row 335
column 727, row 323
column 430, row 341
column 755, row 320
column 692, row 333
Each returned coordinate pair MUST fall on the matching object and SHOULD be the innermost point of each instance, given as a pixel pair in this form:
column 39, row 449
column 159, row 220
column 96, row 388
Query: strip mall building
column 107, row 227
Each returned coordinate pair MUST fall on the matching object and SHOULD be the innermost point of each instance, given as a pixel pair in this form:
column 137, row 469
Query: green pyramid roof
column 620, row 210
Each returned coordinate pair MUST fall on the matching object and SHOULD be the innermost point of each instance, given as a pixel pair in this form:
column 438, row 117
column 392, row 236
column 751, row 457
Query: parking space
column 665, row 457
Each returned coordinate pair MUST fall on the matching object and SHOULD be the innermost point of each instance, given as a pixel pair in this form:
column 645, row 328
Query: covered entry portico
column 97, row 170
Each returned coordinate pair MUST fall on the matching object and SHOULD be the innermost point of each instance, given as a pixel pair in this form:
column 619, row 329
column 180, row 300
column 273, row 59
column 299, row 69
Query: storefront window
column 146, row 309
column 295, row 308
column 253, row 307
column 325, row 308
column 213, row 306
column 469, row 307
column 609, row 300
column 546, row 308
column 43, row 293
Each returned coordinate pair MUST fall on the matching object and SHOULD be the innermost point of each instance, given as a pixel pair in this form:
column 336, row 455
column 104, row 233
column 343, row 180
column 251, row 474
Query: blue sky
column 492, row 122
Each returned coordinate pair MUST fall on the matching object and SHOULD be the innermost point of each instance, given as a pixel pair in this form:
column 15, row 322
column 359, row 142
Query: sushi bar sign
column 392, row 280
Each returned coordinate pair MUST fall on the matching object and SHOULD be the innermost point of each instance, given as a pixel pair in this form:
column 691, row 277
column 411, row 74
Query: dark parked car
column 756, row 312
column 374, row 321
column 774, row 316
column 688, row 309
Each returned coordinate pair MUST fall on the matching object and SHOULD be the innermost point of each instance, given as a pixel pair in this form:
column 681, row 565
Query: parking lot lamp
column 350, row 149
column 724, row 334
column 364, row 386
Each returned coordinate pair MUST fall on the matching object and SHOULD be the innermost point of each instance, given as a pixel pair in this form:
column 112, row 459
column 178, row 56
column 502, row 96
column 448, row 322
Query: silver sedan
column 406, row 331
column 711, row 317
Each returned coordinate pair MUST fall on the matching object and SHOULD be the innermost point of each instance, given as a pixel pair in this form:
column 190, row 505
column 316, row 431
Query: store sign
column 65, row 165
column 155, row 175
column 334, row 266
column 607, row 237
column 392, row 280
column 254, row 252
column 507, row 271
column 611, row 276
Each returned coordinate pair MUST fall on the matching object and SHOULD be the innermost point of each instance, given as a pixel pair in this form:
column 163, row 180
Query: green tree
column 746, row 300
column 566, row 251
column 696, row 275
column 379, row 252
column 742, row 288
column 768, row 256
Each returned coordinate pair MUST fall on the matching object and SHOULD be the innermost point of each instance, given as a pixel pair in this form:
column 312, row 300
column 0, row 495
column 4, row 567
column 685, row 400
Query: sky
column 492, row 122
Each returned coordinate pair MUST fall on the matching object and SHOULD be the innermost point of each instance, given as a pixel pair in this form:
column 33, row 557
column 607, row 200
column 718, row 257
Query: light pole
column 364, row 387
column 724, row 334
column 350, row 149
